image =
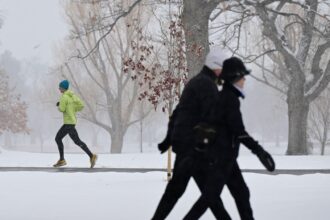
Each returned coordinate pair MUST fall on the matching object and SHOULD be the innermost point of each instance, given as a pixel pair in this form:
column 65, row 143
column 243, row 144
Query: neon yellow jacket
column 70, row 104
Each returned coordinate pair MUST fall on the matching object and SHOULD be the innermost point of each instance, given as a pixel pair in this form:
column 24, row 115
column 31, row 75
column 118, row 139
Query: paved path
column 144, row 170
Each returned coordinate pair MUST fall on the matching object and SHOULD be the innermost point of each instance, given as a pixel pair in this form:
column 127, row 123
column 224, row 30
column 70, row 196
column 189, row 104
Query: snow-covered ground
column 134, row 196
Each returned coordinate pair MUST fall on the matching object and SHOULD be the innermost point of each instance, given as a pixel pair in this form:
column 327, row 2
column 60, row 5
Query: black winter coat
column 230, row 126
column 197, row 100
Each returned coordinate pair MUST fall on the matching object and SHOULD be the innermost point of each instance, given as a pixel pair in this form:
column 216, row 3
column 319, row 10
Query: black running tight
column 71, row 130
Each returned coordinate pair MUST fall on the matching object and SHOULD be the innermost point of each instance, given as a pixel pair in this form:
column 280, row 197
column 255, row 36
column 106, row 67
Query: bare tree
column 13, row 111
column 161, row 68
column 289, row 44
column 118, row 9
column 161, row 82
column 109, row 93
column 195, row 20
column 319, row 119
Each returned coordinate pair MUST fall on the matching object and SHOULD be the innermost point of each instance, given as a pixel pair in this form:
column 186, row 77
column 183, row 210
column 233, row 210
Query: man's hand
column 57, row 103
column 266, row 159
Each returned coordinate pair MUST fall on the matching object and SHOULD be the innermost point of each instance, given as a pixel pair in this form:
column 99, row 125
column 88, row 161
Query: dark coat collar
column 232, row 88
column 209, row 73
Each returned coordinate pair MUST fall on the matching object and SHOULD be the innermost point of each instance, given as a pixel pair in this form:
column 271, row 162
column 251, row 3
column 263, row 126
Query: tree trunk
column 322, row 148
column 298, row 108
column 325, row 138
column 117, row 131
column 117, row 140
column 195, row 19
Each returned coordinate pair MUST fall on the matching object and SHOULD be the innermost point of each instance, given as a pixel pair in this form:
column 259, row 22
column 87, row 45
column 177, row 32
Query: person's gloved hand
column 164, row 145
column 57, row 103
column 205, row 136
column 266, row 159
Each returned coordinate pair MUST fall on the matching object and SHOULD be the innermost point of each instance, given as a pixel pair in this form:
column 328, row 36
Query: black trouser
column 231, row 175
column 184, row 168
column 71, row 130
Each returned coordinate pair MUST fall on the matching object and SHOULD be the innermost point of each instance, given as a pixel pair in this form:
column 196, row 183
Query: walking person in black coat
column 223, row 167
column 197, row 99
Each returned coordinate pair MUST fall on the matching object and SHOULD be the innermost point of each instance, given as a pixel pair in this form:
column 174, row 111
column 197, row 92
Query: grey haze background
column 31, row 28
column 30, row 32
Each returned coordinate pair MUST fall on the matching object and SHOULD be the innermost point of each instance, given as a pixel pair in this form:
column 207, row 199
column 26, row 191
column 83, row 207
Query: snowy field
column 134, row 196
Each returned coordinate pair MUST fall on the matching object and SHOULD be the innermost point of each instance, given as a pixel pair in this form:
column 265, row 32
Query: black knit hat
column 233, row 70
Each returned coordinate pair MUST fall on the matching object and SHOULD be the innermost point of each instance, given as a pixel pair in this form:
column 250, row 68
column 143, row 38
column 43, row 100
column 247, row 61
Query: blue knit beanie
column 64, row 84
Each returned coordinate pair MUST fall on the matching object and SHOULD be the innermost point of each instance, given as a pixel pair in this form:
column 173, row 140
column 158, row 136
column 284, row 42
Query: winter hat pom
column 64, row 84
column 216, row 56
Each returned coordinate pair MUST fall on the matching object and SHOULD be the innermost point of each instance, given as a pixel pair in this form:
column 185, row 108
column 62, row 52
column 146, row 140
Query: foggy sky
column 31, row 27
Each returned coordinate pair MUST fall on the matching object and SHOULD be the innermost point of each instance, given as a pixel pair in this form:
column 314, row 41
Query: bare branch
column 316, row 71
column 110, row 27
column 269, row 84
column 321, row 85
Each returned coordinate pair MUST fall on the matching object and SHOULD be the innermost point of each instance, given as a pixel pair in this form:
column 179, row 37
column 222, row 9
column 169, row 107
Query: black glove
column 205, row 136
column 266, row 159
column 57, row 103
column 164, row 145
